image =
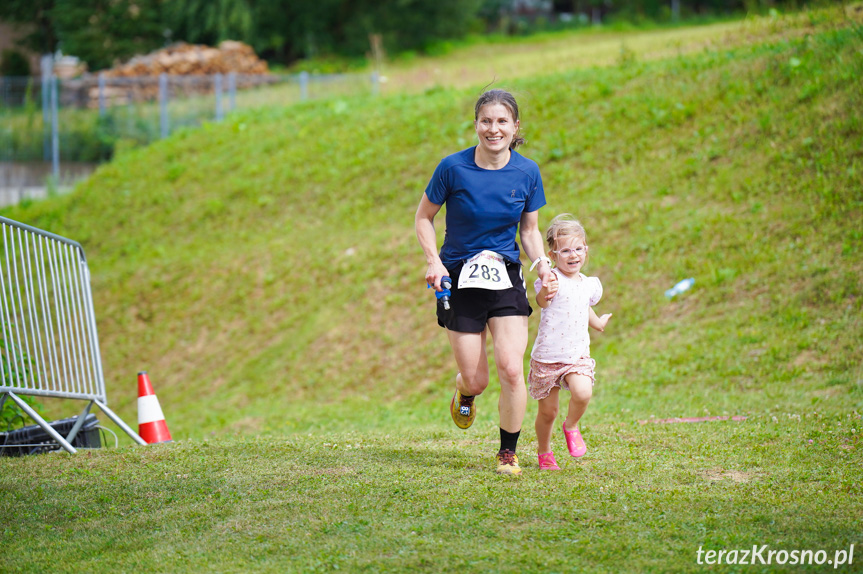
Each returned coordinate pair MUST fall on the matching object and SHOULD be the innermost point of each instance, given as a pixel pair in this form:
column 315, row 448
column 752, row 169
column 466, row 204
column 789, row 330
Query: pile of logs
column 191, row 59
column 190, row 69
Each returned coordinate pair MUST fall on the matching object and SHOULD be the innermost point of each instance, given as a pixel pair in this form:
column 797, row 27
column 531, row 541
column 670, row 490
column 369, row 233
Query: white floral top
column 563, row 336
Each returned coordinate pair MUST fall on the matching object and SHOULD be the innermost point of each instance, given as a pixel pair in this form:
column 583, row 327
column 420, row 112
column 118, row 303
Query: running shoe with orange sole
column 507, row 463
column 463, row 410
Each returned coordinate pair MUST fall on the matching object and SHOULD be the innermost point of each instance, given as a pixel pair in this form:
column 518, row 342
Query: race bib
column 486, row 270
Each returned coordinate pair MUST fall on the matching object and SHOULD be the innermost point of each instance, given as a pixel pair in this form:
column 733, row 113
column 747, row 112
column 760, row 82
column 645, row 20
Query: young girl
column 561, row 354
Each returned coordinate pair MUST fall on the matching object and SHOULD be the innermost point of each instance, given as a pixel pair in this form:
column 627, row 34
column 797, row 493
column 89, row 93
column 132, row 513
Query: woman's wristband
column 538, row 259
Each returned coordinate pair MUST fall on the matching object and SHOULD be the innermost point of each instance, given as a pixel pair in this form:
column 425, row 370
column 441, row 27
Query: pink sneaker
column 574, row 442
column 547, row 462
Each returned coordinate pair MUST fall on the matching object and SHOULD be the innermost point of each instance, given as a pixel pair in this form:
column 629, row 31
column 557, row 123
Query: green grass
column 423, row 499
column 477, row 64
column 265, row 272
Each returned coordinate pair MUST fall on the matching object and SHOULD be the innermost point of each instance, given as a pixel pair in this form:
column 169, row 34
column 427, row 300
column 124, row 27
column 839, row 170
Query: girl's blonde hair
column 564, row 225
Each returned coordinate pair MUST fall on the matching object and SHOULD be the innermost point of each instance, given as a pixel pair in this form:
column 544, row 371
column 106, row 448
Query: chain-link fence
column 53, row 131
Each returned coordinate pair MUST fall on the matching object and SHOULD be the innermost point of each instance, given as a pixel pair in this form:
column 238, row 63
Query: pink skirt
column 545, row 376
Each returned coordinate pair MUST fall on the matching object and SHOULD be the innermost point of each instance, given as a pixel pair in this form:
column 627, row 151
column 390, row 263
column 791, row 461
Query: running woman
column 491, row 192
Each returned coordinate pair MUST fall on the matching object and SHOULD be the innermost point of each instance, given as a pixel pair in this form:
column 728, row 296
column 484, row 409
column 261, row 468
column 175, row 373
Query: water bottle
column 444, row 294
column 679, row 288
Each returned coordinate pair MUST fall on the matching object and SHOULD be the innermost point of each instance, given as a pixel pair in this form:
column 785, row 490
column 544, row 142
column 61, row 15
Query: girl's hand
column 602, row 321
column 434, row 273
column 552, row 287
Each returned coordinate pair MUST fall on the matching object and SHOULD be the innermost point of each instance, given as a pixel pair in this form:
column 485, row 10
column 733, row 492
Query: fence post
column 163, row 104
column 47, row 64
column 55, row 132
column 101, row 94
column 376, row 83
column 217, row 88
column 232, row 90
column 304, row 86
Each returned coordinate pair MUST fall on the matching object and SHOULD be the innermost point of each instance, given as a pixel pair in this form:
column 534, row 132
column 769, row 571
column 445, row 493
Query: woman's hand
column 434, row 273
column 545, row 274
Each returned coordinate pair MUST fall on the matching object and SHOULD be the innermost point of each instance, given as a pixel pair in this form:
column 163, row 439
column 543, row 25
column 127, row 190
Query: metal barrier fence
column 48, row 341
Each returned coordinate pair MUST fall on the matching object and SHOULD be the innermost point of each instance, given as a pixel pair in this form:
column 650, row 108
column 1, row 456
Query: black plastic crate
column 38, row 441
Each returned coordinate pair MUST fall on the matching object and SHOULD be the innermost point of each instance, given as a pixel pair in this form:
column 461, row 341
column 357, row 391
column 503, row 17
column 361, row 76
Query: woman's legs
column 510, row 342
column 545, row 417
column 580, row 392
column 472, row 361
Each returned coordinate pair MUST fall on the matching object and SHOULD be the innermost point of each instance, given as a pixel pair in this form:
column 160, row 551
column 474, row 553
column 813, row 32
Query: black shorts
column 470, row 309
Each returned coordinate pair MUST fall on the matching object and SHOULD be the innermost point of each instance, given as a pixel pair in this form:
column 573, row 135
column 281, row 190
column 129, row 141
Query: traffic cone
column 151, row 422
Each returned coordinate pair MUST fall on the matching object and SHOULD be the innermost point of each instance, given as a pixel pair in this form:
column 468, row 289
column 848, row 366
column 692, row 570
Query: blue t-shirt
column 484, row 206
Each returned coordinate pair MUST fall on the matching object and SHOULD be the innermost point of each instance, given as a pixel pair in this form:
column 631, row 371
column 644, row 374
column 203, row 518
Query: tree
column 209, row 21
column 39, row 14
column 413, row 24
column 13, row 63
column 103, row 31
column 286, row 31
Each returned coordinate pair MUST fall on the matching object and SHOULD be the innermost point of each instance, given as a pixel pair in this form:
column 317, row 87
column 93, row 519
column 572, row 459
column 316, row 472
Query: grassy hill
column 265, row 272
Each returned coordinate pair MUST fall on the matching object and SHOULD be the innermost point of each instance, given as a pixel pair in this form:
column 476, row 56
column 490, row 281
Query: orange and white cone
column 151, row 422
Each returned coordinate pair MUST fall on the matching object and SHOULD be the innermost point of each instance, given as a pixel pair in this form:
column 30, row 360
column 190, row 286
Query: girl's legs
column 580, row 391
column 545, row 417
column 510, row 342
column 472, row 361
